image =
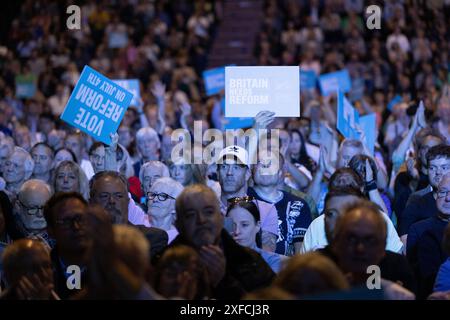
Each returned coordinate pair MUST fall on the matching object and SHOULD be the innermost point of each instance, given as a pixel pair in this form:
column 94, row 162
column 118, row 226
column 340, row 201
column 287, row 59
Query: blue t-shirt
column 442, row 282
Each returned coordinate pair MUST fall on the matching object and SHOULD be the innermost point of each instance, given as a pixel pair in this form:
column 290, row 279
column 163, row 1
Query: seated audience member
column 234, row 173
column 246, row 230
column 109, row 190
column 232, row 269
column 108, row 273
column 294, row 214
column 28, row 209
column 42, row 155
column 180, row 274
column 148, row 145
column 66, row 217
column 161, row 205
column 149, row 173
column 343, row 181
column 74, row 142
column 63, row 154
column 28, row 272
column 424, row 244
column 311, row 274
column 18, row 169
column 69, row 177
column 134, row 250
column 442, row 282
column 423, row 207
column 357, row 240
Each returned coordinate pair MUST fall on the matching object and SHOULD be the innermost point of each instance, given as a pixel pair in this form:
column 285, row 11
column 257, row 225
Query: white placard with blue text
column 131, row 85
column 249, row 90
column 335, row 81
column 96, row 105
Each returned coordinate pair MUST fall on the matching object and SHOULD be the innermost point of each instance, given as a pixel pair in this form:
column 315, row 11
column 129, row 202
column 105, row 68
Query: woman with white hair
column 161, row 204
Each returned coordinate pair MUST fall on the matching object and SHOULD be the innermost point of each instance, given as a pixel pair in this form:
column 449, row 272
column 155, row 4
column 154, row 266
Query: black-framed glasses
column 30, row 210
column 235, row 200
column 161, row 196
column 80, row 220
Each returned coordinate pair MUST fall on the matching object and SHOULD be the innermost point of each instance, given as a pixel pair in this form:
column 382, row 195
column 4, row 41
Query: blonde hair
column 83, row 183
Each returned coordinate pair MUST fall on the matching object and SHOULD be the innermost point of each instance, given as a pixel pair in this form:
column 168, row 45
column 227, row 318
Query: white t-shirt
column 315, row 237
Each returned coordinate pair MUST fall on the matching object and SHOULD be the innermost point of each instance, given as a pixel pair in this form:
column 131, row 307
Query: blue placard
column 96, row 105
column 367, row 123
column 397, row 99
column 335, row 81
column 214, row 80
column 131, row 85
column 235, row 123
column 347, row 118
column 117, row 40
column 307, row 79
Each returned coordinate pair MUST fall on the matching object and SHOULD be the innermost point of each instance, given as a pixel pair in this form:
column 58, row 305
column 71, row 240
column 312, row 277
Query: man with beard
column 233, row 269
column 420, row 208
column 109, row 189
column 28, row 208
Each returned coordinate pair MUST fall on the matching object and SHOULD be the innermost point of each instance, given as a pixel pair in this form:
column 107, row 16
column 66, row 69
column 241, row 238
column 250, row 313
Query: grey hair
column 175, row 187
column 7, row 142
column 29, row 183
column 352, row 143
column 130, row 239
column 156, row 164
column 29, row 162
column 148, row 132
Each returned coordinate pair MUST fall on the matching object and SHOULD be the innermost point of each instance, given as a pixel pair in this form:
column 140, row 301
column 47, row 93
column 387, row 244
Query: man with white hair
column 150, row 172
column 148, row 145
column 18, row 168
column 29, row 206
column 161, row 204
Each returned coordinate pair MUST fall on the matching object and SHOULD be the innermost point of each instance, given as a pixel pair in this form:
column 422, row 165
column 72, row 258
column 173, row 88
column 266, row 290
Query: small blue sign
column 307, row 79
column 214, row 80
column 335, row 81
column 397, row 99
column 131, row 85
column 347, row 118
column 367, row 123
column 96, row 105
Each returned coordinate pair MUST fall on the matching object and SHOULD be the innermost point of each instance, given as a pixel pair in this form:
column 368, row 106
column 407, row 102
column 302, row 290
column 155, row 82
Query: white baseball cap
column 234, row 152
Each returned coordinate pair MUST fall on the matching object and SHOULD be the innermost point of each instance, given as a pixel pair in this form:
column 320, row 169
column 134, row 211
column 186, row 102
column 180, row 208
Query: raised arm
column 159, row 91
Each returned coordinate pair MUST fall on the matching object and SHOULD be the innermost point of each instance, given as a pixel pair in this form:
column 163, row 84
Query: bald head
column 26, row 257
column 30, row 203
column 359, row 239
column 443, row 195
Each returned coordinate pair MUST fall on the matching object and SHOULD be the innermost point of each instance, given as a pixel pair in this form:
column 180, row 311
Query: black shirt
column 418, row 209
column 394, row 267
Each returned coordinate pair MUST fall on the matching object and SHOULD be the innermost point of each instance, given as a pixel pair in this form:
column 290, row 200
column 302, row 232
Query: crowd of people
column 83, row 220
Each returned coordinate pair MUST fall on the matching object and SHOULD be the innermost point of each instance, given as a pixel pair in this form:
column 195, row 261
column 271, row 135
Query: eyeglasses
column 235, row 200
column 160, row 196
column 443, row 193
column 70, row 222
column 30, row 210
